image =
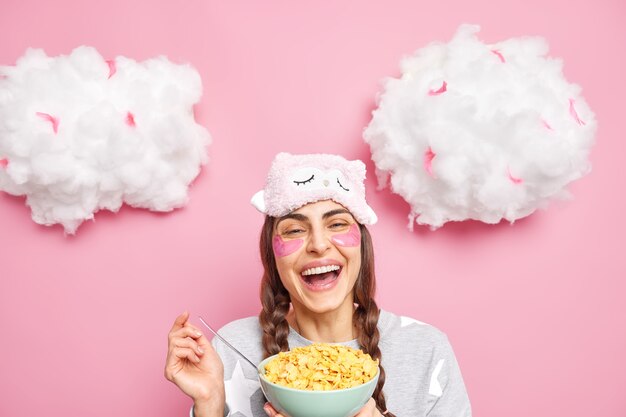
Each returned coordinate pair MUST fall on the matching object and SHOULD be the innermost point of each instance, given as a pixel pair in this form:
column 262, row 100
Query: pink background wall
column 535, row 312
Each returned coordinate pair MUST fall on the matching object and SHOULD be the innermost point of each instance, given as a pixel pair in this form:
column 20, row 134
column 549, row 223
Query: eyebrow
column 334, row 212
column 303, row 218
column 295, row 216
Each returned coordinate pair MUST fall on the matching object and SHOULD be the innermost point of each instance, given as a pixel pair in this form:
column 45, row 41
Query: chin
column 325, row 303
column 321, row 308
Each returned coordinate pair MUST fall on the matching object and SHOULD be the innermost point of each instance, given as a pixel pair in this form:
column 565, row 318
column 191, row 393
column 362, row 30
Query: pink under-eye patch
column 352, row 238
column 285, row 248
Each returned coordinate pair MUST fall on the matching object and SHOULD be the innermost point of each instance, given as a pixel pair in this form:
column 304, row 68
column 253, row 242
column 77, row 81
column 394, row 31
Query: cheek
column 282, row 248
column 350, row 239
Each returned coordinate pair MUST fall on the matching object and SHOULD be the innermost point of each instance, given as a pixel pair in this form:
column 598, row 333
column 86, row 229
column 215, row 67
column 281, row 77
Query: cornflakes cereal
column 321, row 367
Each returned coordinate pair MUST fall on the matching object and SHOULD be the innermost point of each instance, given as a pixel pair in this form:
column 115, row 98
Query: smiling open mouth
column 321, row 277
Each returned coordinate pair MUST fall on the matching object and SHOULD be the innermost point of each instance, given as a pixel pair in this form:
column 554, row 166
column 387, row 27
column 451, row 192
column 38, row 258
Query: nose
column 318, row 241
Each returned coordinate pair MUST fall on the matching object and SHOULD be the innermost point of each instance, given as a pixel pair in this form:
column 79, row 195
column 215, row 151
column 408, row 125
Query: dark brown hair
column 275, row 301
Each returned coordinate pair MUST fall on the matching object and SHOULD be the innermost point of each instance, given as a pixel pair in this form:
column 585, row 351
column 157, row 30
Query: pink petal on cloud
column 442, row 89
column 498, row 54
column 4, row 163
column 51, row 119
column 429, row 155
column 112, row 67
column 546, row 125
column 513, row 179
column 130, row 119
column 573, row 112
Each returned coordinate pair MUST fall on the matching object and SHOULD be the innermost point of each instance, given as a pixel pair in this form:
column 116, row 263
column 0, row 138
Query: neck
column 329, row 327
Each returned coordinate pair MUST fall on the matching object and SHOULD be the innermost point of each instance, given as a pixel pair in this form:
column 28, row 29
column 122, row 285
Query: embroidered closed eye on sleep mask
column 296, row 180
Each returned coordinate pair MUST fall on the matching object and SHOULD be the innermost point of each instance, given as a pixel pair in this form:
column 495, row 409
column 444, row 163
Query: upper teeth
column 320, row 270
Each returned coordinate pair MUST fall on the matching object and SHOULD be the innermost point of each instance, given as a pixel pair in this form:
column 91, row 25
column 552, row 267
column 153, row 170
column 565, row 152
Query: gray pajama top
column 422, row 374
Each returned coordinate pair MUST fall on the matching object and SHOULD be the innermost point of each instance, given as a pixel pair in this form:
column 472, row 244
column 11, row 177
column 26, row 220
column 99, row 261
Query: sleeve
column 446, row 390
column 191, row 414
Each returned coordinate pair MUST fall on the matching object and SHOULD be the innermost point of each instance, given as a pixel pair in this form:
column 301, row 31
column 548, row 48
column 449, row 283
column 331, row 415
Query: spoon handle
column 228, row 344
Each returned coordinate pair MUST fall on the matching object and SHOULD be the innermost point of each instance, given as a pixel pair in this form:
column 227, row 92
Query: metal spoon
column 229, row 345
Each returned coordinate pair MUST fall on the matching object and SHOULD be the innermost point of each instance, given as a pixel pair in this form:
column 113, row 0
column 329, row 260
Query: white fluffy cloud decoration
column 477, row 131
column 79, row 134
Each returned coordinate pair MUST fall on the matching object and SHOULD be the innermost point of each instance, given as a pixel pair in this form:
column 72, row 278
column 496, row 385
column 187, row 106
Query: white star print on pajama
column 422, row 374
column 405, row 321
column 239, row 389
column 435, row 386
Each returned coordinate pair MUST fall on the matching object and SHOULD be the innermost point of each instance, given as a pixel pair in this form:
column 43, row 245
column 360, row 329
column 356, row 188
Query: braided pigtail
column 367, row 313
column 275, row 299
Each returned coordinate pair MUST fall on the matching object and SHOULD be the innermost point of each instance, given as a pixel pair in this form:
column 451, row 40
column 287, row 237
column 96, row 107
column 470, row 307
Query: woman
column 318, row 286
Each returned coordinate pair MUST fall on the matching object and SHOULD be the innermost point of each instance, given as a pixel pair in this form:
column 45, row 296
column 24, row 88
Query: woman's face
column 318, row 255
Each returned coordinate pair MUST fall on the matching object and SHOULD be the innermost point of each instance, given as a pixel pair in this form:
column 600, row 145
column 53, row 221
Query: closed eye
column 305, row 181
column 341, row 185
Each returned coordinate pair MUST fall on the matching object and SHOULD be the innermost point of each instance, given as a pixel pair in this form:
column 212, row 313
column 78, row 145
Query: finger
column 180, row 321
column 198, row 335
column 173, row 365
column 191, row 333
column 271, row 411
column 186, row 331
column 193, row 328
column 177, row 356
column 185, row 353
column 187, row 342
